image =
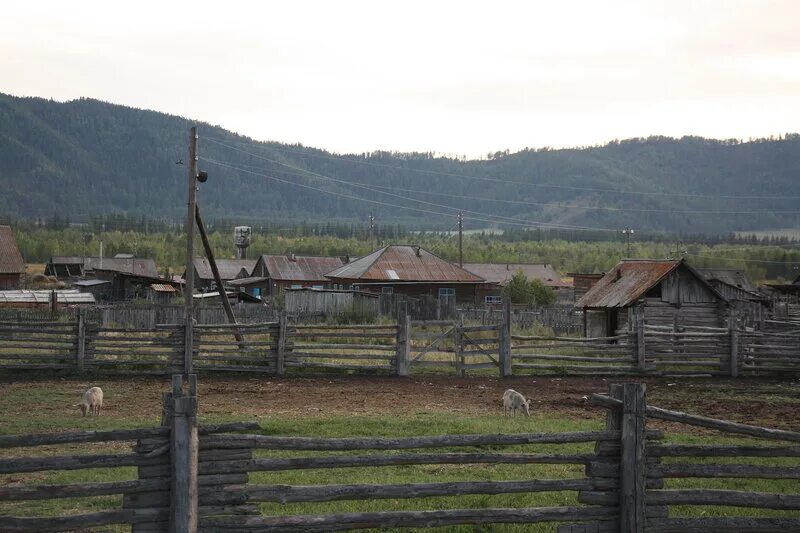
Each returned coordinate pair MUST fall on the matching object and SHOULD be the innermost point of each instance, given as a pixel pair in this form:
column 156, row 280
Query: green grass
column 35, row 408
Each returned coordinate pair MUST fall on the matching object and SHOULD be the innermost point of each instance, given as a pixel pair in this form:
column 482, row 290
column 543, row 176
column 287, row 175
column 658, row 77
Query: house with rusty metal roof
column 229, row 269
column 408, row 270
column 12, row 266
column 667, row 292
column 274, row 273
column 498, row 275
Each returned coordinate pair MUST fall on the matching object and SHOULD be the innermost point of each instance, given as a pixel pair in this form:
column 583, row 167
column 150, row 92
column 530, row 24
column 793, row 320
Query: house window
column 297, row 286
column 318, row 287
column 447, row 291
column 387, row 290
column 494, row 299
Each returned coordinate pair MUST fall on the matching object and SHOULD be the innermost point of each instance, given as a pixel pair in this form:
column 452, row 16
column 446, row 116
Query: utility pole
column 629, row 233
column 189, row 281
column 460, row 238
column 372, row 229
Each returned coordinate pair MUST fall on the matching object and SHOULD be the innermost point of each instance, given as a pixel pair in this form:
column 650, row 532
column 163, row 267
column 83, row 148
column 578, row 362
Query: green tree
column 521, row 290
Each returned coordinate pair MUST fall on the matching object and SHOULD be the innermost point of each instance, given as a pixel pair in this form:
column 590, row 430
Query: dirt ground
column 772, row 403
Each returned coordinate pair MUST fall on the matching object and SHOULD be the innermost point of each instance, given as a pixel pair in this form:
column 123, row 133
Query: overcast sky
column 453, row 77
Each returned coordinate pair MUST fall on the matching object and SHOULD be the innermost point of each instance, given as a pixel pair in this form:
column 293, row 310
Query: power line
column 498, row 180
column 373, row 189
column 729, row 258
column 513, row 222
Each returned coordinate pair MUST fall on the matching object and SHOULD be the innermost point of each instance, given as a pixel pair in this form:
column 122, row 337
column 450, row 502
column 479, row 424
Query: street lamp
column 629, row 233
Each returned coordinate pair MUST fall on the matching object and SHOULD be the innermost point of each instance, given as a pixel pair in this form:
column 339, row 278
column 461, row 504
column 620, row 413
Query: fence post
column 81, row 353
column 457, row 349
column 183, row 455
column 280, row 355
column 506, row 368
column 403, row 346
column 640, row 343
column 734, row 339
column 632, row 455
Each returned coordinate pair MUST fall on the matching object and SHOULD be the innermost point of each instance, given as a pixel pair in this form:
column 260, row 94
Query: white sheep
column 92, row 401
column 512, row 400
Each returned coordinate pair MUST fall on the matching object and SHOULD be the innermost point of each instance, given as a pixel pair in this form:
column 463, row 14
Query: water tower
column 241, row 238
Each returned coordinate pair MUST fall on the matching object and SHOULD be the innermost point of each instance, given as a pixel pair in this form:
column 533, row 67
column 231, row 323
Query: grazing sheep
column 512, row 400
column 92, row 401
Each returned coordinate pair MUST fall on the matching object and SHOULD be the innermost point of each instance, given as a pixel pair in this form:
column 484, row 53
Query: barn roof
column 228, row 268
column 11, row 261
column 626, row 283
column 91, row 282
column 501, row 273
column 163, row 287
column 300, row 268
column 730, row 276
column 66, row 260
column 43, row 297
column 404, row 263
column 140, row 267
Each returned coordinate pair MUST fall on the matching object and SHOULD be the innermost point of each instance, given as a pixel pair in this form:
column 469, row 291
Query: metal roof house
column 71, row 266
column 229, row 269
column 291, row 271
column 12, row 266
column 669, row 293
column 409, row 270
column 501, row 273
column 740, row 291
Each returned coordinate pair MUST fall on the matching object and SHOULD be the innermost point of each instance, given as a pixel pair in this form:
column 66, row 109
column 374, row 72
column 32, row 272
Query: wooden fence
column 401, row 348
column 201, row 479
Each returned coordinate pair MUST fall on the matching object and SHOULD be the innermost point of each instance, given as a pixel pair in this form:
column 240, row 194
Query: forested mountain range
column 85, row 157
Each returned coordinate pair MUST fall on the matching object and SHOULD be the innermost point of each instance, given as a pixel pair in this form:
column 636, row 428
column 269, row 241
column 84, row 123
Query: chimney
column 417, row 251
column 291, row 257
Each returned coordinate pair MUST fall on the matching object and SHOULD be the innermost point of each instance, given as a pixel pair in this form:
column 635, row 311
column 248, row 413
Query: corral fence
column 623, row 477
column 402, row 348
column 562, row 319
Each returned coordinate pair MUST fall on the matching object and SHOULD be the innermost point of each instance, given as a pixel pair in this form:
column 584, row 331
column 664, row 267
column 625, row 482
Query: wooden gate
column 477, row 347
column 433, row 344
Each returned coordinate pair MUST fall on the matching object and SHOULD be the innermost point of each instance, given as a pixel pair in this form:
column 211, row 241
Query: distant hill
column 87, row 157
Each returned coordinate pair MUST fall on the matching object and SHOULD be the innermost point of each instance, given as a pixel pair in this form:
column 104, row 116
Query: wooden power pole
column 189, row 280
column 460, row 238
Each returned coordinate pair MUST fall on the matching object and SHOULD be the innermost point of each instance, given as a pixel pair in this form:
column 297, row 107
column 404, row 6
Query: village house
column 12, row 266
column 668, row 293
column 229, row 269
column 275, row 273
column 410, row 271
column 582, row 282
column 75, row 267
column 498, row 275
column 734, row 285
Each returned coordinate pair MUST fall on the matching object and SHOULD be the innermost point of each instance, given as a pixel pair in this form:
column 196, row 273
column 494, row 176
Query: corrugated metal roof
column 163, row 287
column 403, row 263
column 11, row 261
column 140, row 267
column 90, row 282
column 228, row 268
column 501, row 273
column 730, row 276
column 43, row 297
column 300, row 268
column 626, row 283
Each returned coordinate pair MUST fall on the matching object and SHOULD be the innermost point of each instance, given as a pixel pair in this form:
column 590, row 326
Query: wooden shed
column 12, row 265
column 752, row 307
column 668, row 293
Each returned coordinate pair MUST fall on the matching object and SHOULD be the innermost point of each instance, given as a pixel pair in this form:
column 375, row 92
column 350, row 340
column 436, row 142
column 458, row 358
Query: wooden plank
column 632, row 463
column 739, row 524
column 734, row 498
column 77, row 490
column 433, row 441
column 11, row 524
column 683, row 470
column 703, row 421
column 392, row 519
column 353, row 461
column 326, row 493
column 714, row 450
column 373, row 347
column 41, row 439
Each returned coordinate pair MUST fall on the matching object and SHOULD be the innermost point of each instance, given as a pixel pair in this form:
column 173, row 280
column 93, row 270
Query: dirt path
column 763, row 402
